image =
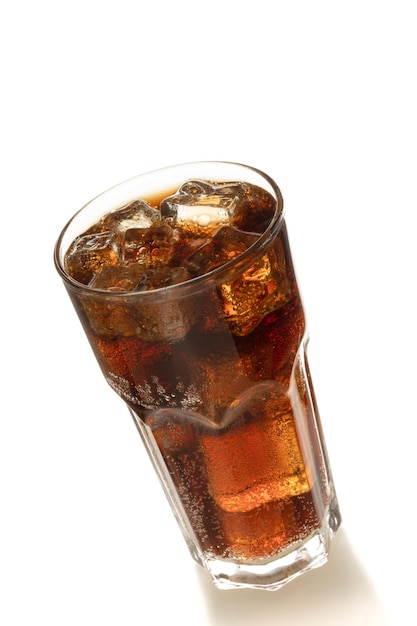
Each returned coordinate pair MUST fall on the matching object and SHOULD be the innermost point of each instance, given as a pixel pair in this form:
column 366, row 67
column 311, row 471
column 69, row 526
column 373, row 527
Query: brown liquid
column 217, row 380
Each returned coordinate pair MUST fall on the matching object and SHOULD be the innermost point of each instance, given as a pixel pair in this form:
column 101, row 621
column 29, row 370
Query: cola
column 192, row 308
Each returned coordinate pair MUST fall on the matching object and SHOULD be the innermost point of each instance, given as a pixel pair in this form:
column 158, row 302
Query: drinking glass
column 209, row 354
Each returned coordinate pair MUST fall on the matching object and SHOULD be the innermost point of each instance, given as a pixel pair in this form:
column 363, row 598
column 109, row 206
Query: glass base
column 268, row 574
column 274, row 574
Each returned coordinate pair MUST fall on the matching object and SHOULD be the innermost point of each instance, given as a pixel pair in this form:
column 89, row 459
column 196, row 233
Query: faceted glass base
column 274, row 574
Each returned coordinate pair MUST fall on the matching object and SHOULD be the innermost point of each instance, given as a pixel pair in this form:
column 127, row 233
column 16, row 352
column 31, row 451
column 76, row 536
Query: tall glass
column 211, row 362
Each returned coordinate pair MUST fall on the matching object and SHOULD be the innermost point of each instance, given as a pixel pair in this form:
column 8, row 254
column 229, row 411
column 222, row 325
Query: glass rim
column 218, row 275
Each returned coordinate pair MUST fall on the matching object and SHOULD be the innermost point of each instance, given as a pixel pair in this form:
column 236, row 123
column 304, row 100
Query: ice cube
column 227, row 244
column 137, row 214
column 254, row 207
column 199, row 367
column 170, row 323
column 114, row 278
column 196, row 188
column 216, row 364
column 198, row 207
column 132, row 315
column 257, row 459
column 248, row 207
column 158, row 278
column 109, row 318
column 259, row 290
column 89, row 253
column 151, row 247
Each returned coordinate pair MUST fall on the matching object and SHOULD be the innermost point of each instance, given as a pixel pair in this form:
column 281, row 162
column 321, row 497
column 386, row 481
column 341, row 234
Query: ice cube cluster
column 199, row 228
column 202, row 226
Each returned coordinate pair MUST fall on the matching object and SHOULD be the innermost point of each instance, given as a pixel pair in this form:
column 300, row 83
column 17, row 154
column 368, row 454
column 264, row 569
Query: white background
column 321, row 96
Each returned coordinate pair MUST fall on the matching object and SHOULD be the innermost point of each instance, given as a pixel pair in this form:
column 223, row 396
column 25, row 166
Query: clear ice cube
column 132, row 316
column 151, row 247
column 116, row 278
column 110, row 319
column 255, row 207
column 247, row 207
column 208, row 370
column 171, row 326
column 89, row 253
column 158, row 278
column 261, row 289
column 198, row 207
column 137, row 214
column 258, row 460
column 196, row 188
column 224, row 246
